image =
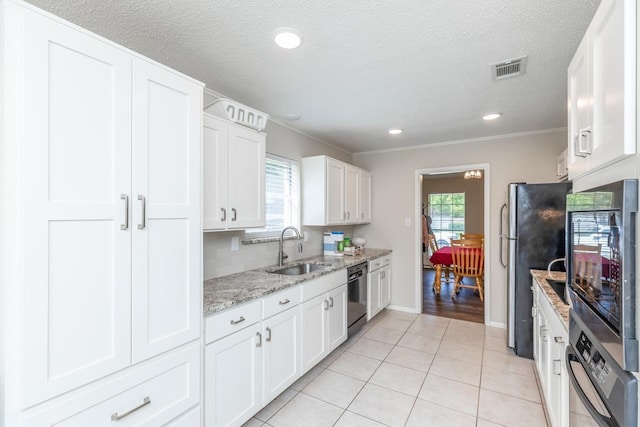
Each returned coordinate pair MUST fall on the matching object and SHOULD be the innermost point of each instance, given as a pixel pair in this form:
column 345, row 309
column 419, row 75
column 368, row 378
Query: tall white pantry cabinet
column 101, row 231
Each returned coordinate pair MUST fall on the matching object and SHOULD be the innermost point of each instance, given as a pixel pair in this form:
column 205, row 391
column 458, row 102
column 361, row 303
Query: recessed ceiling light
column 491, row 116
column 291, row 117
column 395, row 131
column 287, row 38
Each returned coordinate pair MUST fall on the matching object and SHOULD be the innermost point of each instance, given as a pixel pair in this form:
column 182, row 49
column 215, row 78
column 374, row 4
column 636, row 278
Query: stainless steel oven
column 602, row 356
column 601, row 258
column 601, row 392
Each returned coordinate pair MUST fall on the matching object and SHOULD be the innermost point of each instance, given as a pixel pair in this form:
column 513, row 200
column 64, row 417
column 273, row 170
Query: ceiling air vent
column 510, row 68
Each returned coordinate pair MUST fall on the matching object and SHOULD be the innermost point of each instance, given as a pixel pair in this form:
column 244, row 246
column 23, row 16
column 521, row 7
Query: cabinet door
column 385, row 287
column 246, row 178
column 335, row 192
column 233, row 378
column 373, row 294
column 364, row 197
column 613, row 59
column 313, row 335
column 166, row 228
column 214, row 173
column 580, row 99
column 351, row 195
column 281, row 366
column 337, row 317
column 75, row 279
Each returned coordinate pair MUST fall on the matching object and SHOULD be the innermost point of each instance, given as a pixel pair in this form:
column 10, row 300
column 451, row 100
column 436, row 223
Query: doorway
column 456, row 205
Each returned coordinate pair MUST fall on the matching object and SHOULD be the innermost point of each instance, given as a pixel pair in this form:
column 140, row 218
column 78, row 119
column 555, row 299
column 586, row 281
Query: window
column 282, row 198
column 447, row 216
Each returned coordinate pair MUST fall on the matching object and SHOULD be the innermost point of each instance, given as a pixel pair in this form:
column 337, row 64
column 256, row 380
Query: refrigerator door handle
column 502, row 236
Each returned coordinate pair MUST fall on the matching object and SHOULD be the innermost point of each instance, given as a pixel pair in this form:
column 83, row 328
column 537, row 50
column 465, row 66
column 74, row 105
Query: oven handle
column 600, row 419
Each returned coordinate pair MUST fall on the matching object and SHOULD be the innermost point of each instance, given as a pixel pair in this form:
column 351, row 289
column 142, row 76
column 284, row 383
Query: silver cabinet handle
column 330, row 301
column 286, row 301
column 143, row 222
column 235, row 322
column 117, row 417
column 559, row 340
column 259, row 343
column 326, row 305
column 268, row 335
column 234, row 214
column 224, row 214
column 125, row 197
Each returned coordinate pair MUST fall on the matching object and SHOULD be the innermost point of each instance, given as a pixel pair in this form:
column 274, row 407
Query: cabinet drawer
column 377, row 263
column 170, row 385
column 231, row 320
column 280, row 301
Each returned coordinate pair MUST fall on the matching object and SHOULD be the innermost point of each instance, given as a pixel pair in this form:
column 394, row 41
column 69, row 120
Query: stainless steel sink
column 559, row 287
column 296, row 270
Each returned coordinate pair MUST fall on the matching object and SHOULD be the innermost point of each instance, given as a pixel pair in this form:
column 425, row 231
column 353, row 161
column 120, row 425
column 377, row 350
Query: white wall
column 527, row 158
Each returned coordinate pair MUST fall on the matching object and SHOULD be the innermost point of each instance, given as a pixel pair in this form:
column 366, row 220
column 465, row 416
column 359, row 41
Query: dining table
column 440, row 258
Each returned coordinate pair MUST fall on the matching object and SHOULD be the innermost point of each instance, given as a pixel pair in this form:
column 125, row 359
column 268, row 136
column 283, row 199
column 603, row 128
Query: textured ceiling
column 364, row 65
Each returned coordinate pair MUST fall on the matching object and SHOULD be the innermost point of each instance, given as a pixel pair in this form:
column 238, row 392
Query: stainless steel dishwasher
column 357, row 289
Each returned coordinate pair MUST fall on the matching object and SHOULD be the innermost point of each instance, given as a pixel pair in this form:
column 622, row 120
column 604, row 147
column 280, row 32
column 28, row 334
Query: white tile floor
column 413, row 370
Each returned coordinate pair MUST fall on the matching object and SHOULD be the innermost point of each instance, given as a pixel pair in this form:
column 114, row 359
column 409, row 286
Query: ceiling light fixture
column 491, row 116
column 477, row 174
column 287, row 38
column 395, row 131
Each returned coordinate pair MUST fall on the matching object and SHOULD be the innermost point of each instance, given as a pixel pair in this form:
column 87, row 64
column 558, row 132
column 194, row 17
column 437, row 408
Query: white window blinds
column 282, row 200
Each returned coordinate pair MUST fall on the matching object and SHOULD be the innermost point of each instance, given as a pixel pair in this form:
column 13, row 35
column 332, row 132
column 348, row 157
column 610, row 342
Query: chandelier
column 477, row 174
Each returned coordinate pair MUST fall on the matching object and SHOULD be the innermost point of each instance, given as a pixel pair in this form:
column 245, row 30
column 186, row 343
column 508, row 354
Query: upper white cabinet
column 334, row 192
column 102, row 150
column 602, row 90
column 233, row 176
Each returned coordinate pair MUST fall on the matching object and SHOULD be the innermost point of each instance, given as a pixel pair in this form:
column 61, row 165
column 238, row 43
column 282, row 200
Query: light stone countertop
column 226, row 291
column 558, row 305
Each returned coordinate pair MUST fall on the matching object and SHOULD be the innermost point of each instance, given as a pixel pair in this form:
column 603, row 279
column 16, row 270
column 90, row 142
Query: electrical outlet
column 235, row 243
column 306, row 236
column 407, row 222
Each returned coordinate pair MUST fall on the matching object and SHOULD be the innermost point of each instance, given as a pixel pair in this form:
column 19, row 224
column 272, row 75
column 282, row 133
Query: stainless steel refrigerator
column 532, row 234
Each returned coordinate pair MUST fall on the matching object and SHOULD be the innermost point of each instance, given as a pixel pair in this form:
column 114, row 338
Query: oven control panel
column 595, row 364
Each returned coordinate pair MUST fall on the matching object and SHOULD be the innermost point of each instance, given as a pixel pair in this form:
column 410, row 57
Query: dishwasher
column 357, row 304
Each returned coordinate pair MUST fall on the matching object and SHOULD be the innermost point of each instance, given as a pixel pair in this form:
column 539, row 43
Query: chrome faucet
column 281, row 254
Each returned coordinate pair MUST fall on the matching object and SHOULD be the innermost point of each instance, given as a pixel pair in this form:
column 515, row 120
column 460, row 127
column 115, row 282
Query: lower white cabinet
column 281, row 364
column 378, row 285
column 323, row 321
column 550, row 339
column 163, row 392
column 251, row 356
column 233, row 377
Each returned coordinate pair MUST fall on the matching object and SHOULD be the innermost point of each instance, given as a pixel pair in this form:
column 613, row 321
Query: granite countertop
column 558, row 305
column 226, row 291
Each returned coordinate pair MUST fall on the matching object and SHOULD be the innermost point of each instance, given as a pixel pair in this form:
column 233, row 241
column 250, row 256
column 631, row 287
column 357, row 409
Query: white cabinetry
column 252, row 355
column 233, row 176
column 378, row 285
column 334, row 192
column 601, row 90
column 102, row 150
column 550, row 339
column 323, row 317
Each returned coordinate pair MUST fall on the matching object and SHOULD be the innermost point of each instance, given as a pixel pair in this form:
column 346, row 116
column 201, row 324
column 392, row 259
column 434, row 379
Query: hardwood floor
column 466, row 305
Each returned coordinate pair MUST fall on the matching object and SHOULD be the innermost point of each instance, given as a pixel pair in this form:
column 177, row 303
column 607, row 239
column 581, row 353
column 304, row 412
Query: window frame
column 267, row 234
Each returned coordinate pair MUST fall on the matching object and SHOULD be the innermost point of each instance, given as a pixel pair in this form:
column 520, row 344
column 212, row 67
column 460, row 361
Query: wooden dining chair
column 472, row 236
column 468, row 261
column 446, row 270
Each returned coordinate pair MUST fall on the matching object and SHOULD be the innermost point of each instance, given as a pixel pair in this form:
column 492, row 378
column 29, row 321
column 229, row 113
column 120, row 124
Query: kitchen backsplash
column 220, row 260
